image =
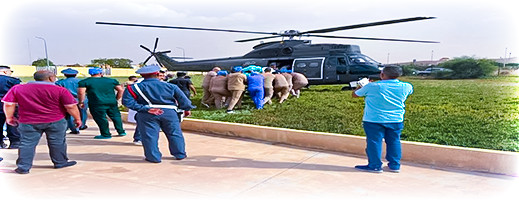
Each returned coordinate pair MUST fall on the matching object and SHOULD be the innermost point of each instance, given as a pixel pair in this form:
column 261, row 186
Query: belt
column 164, row 106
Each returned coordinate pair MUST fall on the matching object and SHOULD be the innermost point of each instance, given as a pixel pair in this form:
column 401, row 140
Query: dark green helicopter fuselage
column 320, row 63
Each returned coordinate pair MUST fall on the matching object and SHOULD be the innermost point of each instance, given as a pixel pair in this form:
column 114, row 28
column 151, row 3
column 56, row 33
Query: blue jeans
column 256, row 94
column 390, row 132
column 30, row 136
column 149, row 126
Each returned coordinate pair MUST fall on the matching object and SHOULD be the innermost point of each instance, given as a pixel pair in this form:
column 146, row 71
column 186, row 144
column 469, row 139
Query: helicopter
column 322, row 64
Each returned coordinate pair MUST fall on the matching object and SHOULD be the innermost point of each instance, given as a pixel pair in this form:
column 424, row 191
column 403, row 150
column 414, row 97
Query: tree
column 467, row 67
column 42, row 62
column 113, row 62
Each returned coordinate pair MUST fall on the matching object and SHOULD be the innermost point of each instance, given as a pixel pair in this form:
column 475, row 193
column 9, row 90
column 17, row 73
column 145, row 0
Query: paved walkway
column 231, row 168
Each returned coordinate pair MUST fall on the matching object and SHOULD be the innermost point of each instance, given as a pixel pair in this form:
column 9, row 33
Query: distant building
column 424, row 63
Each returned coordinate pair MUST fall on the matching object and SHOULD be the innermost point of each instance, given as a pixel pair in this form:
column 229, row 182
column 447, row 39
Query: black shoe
column 68, row 164
column 151, row 161
column 14, row 145
column 83, row 127
column 2, row 145
column 181, row 158
column 74, row 132
column 20, row 171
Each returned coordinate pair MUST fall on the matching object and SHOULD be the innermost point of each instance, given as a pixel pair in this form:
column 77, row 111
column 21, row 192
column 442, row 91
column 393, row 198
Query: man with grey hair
column 384, row 118
column 42, row 106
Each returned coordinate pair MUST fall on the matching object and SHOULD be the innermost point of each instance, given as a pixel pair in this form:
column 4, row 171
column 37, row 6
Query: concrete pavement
column 220, row 167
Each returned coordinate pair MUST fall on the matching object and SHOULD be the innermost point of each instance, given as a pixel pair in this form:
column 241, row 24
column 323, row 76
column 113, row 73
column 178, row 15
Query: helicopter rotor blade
column 327, row 30
column 168, row 51
column 367, row 38
column 181, row 58
column 146, row 48
column 261, row 38
column 156, row 42
column 186, row 28
column 145, row 61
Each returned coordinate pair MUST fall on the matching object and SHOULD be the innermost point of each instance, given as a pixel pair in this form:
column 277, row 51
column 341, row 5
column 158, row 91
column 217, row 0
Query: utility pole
column 183, row 53
column 29, row 48
column 387, row 59
column 432, row 55
column 46, row 55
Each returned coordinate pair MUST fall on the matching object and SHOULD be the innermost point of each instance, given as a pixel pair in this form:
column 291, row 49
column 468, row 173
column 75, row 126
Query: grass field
column 482, row 113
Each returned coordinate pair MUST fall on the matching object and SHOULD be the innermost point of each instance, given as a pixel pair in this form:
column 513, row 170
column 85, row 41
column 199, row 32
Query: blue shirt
column 255, row 80
column 385, row 100
column 70, row 83
column 6, row 83
column 158, row 93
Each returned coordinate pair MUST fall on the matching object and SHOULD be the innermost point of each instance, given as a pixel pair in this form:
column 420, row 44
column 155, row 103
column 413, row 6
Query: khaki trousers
column 269, row 92
column 235, row 99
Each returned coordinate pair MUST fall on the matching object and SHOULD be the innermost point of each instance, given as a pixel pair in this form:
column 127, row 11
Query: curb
column 472, row 159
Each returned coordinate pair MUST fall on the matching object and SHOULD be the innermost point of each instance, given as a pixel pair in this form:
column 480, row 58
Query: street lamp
column 183, row 53
column 46, row 55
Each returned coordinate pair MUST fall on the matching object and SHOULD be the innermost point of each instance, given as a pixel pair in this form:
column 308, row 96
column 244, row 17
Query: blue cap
column 69, row 71
column 148, row 69
column 95, row 70
column 237, row 68
column 222, row 73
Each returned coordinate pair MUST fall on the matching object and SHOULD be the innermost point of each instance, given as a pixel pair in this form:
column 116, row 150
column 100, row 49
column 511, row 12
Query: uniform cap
column 237, row 68
column 148, row 69
column 222, row 73
column 69, row 71
column 95, row 70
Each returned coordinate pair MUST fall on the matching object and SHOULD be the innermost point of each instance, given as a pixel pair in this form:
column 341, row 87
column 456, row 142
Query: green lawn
column 482, row 113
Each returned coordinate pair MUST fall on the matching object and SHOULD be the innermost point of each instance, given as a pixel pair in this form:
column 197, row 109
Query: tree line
column 112, row 62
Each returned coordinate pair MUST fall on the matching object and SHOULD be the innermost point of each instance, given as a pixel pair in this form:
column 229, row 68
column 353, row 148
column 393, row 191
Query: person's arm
column 81, row 92
column 74, row 112
column 9, row 109
column 120, row 91
column 183, row 102
column 192, row 88
column 353, row 93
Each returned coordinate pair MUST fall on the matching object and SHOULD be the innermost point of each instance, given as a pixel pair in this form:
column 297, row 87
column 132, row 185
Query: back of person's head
column 43, row 75
column 216, row 69
column 392, row 71
column 268, row 69
column 181, row 74
column 70, row 75
column 131, row 78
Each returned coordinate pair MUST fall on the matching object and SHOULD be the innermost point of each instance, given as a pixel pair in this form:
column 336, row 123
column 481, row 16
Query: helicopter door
column 312, row 68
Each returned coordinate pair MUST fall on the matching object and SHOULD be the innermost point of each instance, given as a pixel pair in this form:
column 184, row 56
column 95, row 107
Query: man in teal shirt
column 71, row 84
column 384, row 118
column 102, row 101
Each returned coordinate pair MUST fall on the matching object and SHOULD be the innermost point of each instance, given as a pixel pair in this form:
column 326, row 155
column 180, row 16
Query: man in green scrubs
column 102, row 101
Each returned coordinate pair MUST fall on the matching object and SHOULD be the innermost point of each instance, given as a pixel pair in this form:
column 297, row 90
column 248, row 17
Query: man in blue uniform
column 156, row 104
column 71, row 84
column 255, row 87
column 6, row 83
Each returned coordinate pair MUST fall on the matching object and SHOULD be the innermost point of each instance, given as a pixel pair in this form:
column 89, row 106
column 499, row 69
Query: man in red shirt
column 42, row 106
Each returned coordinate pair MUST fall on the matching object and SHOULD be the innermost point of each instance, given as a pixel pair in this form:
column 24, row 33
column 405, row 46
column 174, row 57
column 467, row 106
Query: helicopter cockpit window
column 314, row 64
column 360, row 59
column 301, row 65
column 341, row 61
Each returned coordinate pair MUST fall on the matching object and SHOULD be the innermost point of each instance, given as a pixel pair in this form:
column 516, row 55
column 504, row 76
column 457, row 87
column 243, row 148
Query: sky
column 482, row 29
